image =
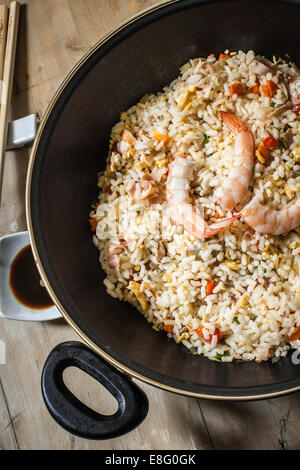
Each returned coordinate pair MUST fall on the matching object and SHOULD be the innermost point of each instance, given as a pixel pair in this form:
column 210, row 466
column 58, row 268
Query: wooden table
column 54, row 34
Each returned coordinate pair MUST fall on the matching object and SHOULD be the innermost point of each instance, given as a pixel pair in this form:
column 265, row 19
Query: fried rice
column 235, row 295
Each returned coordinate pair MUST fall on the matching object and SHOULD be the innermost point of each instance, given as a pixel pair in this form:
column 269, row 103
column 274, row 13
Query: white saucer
column 10, row 308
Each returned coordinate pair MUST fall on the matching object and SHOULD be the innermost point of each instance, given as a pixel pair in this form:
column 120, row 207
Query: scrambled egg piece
column 260, row 158
column 162, row 162
column 186, row 96
column 183, row 336
column 232, row 265
column 296, row 154
column 289, row 192
column 135, row 287
column 243, row 301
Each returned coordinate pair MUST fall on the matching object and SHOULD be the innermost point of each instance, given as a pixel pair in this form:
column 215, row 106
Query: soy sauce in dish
column 24, row 281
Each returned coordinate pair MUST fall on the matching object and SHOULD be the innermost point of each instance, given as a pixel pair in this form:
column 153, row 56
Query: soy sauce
column 24, row 281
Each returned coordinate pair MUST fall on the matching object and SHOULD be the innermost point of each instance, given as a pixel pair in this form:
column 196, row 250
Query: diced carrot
column 217, row 215
column 295, row 335
column 93, row 223
column 264, row 152
column 107, row 189
column 160, row 137
column 269, row 89
column 265, row 90
column 209, row 287
column 270, row 142
column 237, row 89
column 168, row 328
column 272, row 86
column 207, row 337
column 224, row 56
column 255, row 90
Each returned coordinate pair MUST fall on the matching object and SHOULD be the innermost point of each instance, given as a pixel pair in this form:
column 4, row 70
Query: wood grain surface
column 53, row 36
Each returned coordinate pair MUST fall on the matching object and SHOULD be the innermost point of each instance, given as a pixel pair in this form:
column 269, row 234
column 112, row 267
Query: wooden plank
column 7, row 435
column 3, row 32
column 21, row 383
column 173, row 422
column 269, row 424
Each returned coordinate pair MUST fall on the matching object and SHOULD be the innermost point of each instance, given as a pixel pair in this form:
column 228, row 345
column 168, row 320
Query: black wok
column 141, row 56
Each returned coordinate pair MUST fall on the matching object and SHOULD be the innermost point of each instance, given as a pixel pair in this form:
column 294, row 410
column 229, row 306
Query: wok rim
column 111, row 360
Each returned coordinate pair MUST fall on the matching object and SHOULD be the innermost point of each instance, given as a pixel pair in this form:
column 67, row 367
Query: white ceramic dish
column 21, row 131
column 10, row 308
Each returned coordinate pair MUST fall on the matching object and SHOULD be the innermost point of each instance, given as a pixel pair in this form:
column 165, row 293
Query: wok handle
column 71, row 413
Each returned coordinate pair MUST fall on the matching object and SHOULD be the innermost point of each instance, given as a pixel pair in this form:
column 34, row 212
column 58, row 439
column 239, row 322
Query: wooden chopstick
column 8, row 74
column 3, row 31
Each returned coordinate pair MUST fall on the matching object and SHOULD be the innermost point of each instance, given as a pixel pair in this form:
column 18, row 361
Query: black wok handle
column 71, row 413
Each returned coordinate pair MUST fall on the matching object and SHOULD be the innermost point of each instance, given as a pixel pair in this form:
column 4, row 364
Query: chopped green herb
column 282, row 145
column 219, row 356
column 272, row 104
column 205, row 140
column 235, row 320
column 275, row 359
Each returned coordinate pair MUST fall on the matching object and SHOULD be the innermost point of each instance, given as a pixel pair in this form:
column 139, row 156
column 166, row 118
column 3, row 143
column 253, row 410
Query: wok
column 141, row 56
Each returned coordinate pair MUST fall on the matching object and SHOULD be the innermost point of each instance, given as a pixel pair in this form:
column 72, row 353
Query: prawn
column 126, row 143
column 264, row 219
column 179, row 201
column 235, row 189
column 260, row 68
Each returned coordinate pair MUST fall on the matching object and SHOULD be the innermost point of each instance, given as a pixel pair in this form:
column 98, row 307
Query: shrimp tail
column 213, row 229
column 232, row 122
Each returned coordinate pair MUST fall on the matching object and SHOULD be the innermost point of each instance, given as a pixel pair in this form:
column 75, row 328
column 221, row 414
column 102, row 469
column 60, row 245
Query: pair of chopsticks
column 9, row 21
